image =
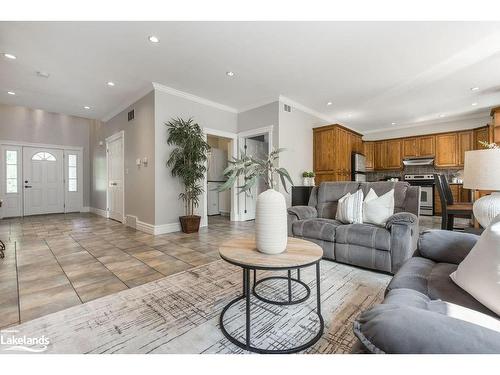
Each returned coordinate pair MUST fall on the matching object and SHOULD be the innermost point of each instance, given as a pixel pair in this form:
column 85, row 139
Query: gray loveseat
column 416, row 315
column 365, row 245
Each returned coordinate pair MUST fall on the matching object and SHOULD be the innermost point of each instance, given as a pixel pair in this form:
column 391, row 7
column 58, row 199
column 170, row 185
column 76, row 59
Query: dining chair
column 450, row 208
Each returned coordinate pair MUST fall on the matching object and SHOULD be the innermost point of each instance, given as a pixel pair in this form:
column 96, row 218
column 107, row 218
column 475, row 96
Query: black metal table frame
column 246, row 295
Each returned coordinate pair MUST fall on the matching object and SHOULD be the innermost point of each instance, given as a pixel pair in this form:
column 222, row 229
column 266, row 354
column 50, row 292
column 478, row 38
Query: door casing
column 112, row 138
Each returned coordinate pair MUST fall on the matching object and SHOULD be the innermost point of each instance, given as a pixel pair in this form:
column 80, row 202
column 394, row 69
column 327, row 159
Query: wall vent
column 287, row 108
column 131, row 221
column 131, row 115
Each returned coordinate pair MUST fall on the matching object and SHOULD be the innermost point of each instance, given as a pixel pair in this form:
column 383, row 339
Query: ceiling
column 374, row 73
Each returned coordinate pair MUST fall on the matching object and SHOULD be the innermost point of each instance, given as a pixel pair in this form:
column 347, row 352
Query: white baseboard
column 98, row 211
column 167, row 228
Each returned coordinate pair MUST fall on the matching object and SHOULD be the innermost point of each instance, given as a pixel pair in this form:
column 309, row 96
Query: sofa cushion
column 318, row 228
column 328, row 195
column 433, row 280
column 410, row 322
column 382, row 187
column 366, row 235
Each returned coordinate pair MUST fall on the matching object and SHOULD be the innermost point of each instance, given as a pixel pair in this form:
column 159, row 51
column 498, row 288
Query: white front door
column 115, row 178
column 43, row 181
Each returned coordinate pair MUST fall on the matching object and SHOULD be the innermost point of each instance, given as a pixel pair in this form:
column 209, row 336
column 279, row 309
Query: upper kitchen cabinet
column 380, row 155
column 410, row 147
column 465, row 143
column 426, row 145
column 481, row 135
column 446, row 150
column 332, row 149
column 369, row 151
column 393, row 154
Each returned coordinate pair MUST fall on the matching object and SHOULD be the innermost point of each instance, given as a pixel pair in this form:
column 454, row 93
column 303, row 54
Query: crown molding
column 193, row 98
column 475, row 116
column 305, row 109
column 141, row 94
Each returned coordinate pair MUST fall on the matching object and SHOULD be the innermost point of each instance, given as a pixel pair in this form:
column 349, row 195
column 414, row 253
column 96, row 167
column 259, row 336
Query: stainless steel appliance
column 358, row 167
column 418, row 161
column 426, row 183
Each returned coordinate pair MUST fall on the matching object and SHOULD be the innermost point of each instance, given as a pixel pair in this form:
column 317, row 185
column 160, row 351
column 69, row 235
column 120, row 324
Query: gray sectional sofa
column 419, row 314
column 365, row 245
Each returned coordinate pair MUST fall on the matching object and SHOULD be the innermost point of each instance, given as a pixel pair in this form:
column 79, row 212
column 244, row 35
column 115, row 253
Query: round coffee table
column 299, row 254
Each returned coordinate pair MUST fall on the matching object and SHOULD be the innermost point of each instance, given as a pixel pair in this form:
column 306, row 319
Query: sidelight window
column 72, row 173
column 11, row 171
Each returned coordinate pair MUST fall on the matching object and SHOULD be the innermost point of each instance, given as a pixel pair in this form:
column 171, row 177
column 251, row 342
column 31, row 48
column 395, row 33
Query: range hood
column 419, row 161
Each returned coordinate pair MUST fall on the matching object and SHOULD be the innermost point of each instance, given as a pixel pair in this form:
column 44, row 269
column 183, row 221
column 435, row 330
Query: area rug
column 180, row 314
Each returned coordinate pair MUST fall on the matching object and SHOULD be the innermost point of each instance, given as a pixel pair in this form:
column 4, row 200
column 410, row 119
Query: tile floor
column 54, row 262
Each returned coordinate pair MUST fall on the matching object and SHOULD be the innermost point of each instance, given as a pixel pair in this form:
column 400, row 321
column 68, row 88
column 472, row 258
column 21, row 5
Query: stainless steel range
column 426, row 183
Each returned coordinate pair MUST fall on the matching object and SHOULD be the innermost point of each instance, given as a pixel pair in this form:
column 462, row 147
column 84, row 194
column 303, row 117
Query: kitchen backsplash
column 415, row 169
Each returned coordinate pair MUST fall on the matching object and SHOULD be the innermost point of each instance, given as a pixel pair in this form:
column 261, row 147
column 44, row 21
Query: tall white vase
column 270, row 222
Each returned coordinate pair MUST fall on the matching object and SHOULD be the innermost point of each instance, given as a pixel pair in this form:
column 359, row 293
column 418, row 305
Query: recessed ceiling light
column 329, row 103
column 11, row 93
column 110, row 83
column 230, row 74
column 9, row 56
column 86, row 107
column 154, row 39
column 474, row 88
column 474, row 104
column 393, row 123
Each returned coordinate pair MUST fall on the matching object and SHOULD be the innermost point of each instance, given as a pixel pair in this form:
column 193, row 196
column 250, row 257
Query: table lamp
column 482, row 172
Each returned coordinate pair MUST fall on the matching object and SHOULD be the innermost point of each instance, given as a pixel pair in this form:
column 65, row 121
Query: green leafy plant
column 488, row 145
column 305, row 174
column 308, row 174
column 252, row 169
column 188, row 159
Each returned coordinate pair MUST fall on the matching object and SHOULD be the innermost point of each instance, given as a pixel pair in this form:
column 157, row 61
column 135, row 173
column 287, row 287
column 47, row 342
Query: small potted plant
column 311, row 179
column 305, row 178
column 187, row 161
column 271, row 232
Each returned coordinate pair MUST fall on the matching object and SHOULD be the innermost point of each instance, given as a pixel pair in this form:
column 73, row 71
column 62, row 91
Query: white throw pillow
column 350, row 208
column 376, row 210
column 479, row 273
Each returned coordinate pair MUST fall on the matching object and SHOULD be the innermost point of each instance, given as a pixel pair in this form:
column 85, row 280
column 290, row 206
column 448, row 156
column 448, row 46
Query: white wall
column 428, row 128
column 168, row 207
column 261, row 117
column 22, row 124
column 139, row 143
column 296, row 136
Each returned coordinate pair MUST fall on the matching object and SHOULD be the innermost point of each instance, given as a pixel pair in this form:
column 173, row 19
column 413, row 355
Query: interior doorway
column 115, row 188
column 256, row 146
column 218, row 203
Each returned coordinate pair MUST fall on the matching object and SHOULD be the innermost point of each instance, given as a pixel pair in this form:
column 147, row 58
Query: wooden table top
column 243, row 252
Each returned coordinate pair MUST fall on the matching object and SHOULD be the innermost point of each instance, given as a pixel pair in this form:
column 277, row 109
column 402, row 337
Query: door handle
column 114, row 184
column 27, row 186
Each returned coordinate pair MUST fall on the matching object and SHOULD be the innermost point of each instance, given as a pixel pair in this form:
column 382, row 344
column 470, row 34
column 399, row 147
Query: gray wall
column 139, row 143
column 167, row 188
column 23, row 124
column 296, row 136
column 260, row 117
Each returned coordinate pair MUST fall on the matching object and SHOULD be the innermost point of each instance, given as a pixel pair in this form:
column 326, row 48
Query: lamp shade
column 482, row 169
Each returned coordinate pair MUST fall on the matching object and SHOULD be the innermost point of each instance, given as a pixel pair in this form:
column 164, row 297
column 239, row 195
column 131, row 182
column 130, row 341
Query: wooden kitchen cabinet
column 410, row 147
column 446, row 150
column 368, row 150
column 481, row 135
column 465, row 143
column 393, row 154
column 380, row 154
column 333, row 146
column 426, row 145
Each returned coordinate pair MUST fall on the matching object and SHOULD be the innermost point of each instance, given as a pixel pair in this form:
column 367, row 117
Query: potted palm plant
column 187, row 162
column 270, row 216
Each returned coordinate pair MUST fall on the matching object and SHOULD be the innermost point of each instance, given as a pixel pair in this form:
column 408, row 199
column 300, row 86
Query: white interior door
column 115, row 178
column 43, row 181
column 259, row 150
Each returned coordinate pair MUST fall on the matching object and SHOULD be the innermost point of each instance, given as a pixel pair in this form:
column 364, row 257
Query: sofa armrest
column 401, row 218
column 404, row 236
column 397, row 329
column 303, row 212
column 445, row 246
